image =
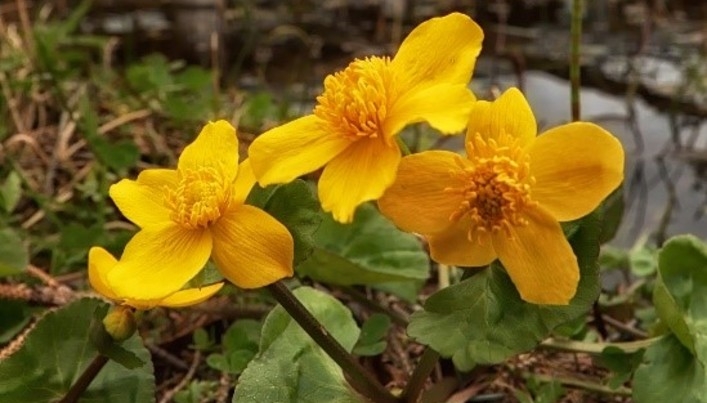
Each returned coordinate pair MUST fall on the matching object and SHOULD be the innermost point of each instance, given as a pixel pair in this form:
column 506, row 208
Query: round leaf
column 670, row 373
column 290, row 366
column 13, row 254
column 483, row 320
column 680, row 295
column 371, row 250
column 57, row 351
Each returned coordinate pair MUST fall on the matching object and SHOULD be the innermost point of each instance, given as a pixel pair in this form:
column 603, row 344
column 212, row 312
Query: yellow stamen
column 495, row 187
column 200, row 198
column 356, row 100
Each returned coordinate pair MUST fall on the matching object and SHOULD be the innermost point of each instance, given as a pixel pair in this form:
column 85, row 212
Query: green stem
column 424, row 368
column 590, row 386
column 88, row 375
column 575, row 78
column 597, row 348
column 360, row 379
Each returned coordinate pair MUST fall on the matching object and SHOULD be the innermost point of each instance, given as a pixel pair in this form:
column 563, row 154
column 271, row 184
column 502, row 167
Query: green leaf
column 242, row 334
column 118, row 156
column 680, row 294
column 74, row 242
column 368, row 251
column 195, row 79
column 545, row 392
column 296, row 207
column 290, row 366
column 372, row 340
column 71, row 23
column 523, row 397
column 483, row 320
column 13, row 254
column 620, row 363
column 198, row 392
column 670, row 373
column 14, row 315
column 11, row 191
column 201, row 339
column 406, row 290
column 611, row 211
column 240, row 345
column 232, row 361
column 643, row 261
column 210, row 274
column 152, row 74
column 218, row 362
column 238, row 360
column 612, row 257
column 56, row 353
column 75, row 236
column 257, row 109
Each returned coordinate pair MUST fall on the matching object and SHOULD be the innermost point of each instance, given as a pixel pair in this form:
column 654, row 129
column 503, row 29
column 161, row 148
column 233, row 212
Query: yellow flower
column 195, row 212
column 356, row 120
column 101, row 262
column 505, row 199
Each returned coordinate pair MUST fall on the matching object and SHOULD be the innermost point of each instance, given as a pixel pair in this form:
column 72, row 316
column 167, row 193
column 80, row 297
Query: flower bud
column 120, row 323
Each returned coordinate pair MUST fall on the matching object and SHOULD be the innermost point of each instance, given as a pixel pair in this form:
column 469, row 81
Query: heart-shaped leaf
column 290, row 366
column 57, row 351
column 483, row 320
column 368, row 251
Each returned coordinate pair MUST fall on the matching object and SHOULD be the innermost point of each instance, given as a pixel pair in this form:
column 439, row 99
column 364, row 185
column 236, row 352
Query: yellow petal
column 216, row 146
column 539, row 260
column 100, row 262
column 141, row 201
column 361, row 173
column 159, row 260
column 190, row 296
column 452, row 247
column 286, row 152
column 417, row 200
column 510, row 114
column 251, row 248
column 440, row 50
column 244, row 182
column 445, row 107
column 575, row 167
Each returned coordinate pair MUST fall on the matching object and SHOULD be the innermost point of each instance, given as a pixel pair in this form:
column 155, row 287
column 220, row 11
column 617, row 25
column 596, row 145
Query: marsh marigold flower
column 353, row 129
column 194, row 212
column 506, row 198
column 101, row 262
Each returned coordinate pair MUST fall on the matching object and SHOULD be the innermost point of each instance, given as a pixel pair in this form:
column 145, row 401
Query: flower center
column 200, row 198
column 495, row 187
column 356, row 100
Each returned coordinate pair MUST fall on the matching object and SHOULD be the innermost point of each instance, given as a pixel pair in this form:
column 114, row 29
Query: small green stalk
column 575, row 62
column 627, row 347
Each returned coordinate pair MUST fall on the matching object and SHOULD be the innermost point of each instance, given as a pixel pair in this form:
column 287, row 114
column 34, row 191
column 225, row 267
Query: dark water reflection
column 664, row 194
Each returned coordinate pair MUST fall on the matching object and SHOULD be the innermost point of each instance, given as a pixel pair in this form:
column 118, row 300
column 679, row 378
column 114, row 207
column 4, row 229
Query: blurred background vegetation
column 93, row 91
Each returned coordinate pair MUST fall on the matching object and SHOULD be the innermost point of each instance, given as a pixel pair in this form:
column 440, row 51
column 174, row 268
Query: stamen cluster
column 495, row 187
column 356, row 101
column 200, row 198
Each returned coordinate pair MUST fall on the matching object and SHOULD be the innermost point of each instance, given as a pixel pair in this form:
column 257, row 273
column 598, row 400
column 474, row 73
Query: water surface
column 663, row 192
